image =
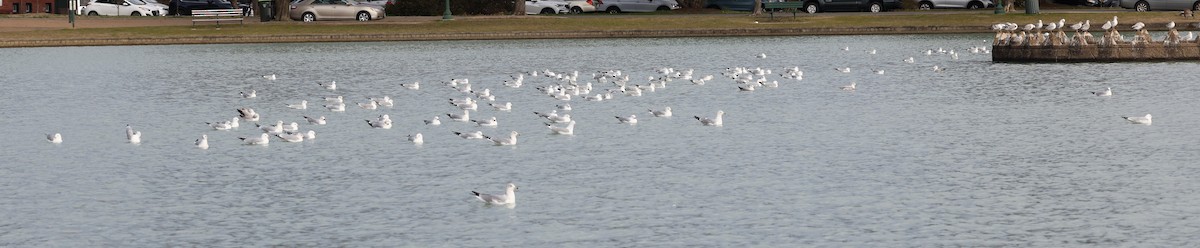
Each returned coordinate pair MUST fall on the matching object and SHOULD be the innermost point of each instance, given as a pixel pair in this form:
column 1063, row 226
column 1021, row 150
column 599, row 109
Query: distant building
column 33, row 6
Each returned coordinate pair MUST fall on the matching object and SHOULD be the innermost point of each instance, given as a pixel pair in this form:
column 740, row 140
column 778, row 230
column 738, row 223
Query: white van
column 618, row 6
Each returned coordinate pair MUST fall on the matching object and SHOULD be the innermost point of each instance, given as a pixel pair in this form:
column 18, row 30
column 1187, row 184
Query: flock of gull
column 1054, row 34
column 566, row 87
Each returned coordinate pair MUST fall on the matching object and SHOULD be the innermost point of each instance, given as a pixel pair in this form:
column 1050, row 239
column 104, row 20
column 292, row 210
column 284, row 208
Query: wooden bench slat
column 217, row 16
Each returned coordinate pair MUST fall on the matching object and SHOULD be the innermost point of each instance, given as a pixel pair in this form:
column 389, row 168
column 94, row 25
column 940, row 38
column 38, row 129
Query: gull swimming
column 269, row 77
column 310, row 135
column 302, row 105
column 846, row 69
column 55, row 138
column 384, row 122
column 412, row 86
column 502, row 107
column 336, row 107
column 559, row 118
column 332, row 85
column 386, row 101
column 466, row 115
column 666, row 112
column 261, row 140
column 511, row 140
column 248, row 114
column 470, row 135
column 632, row 119
column 564, row 107
column 369, row 105
column 416, row 138
column 292, row 127
column 716, row 121
column 222, row 125
column 252, row 94
column 334, row 99
column 291, row 137
column 851, row 87
column 315, row 121
column 202, row 142
column 1107, row 92
column 134, row 137
column 1138, row 120
column 509, row 197
column 487, row 123
column 569, row 129
column 761, row 55
column 909, row 60
column 434, row 122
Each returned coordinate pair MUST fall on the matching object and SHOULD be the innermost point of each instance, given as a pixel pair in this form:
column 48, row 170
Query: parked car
column 185, row 7
column 618, row 6
column 155, row 3
column 736, row 5
column 959, row 4
column 534, row 7
column 1148, row 5
column 122, row 8
column 312, row 10
column 814, row 6
column 580, row 6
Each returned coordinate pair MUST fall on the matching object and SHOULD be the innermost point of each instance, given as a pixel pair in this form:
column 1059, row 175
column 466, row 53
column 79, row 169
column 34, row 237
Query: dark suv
column 185, row 7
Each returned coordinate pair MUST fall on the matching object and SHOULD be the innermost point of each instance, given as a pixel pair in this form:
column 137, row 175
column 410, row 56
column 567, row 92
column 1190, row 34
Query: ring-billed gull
column 332, row 85
column 1138, row 120
column 487, row 122
column 560, row 118
column 335, row 99
column 851, row 87
column 412, row 86
column 466, row 115
column 261, row 140
column 202, row 142
column 500, row 141
column 569, row 129
column 502, row 107
column 55, row 138
column 251, row 94
column 666, row 112
column 383, row 122
column 315, row 121
column 632, row 119
column 434, row 122
column 416, row 138
column 269, row 77
column 1106, row 92
column 135, row 137
column 715, row 121
column 509, row 197
column 470, row 135
column 302, row 105
column 291, row 137
column 248, row 114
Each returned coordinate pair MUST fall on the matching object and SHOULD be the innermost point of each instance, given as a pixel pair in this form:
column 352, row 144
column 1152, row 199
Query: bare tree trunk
column 281, row 10
column 519, row 8
column 758, row 10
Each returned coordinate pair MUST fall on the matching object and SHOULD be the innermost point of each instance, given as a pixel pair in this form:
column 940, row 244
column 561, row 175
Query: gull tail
column 475, row 193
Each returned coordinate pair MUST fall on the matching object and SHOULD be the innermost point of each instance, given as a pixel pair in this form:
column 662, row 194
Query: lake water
column 981, row 154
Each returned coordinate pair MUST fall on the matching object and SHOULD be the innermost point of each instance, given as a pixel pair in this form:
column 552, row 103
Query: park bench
column 770, row 7
column 217, row 16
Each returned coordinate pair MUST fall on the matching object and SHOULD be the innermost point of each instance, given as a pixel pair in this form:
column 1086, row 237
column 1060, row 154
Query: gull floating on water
column 412, row 86
column 369, row 105
column 511, row 140
column 334, row 99
column 384, row 122
column 261, row 140
column 909, row 60
column 559, row 118
column 416, row 138
column 761, row 56
column 55, row 138
column 716, row 121
column 1106, row 92
column 846, row 69
column 291, row 137
column 466, row 115
column 569, row 129
column 202, row 142
column 336, row 107
column 878, row 71
column 269, row 77
column 507, row 106
column 434, row 122
column 632, row 119
column 564, row 107
column 302, row 105
column 315, row 121
column 487, row 123
column 470, row 135
column 248, row 114
column 851, row 87
column 252, row 94
column 134, row 137
column 666, row 112
column 224, row 125
column 332, row 85
column 386, row 101
column 1138, row 120
column 509, row 197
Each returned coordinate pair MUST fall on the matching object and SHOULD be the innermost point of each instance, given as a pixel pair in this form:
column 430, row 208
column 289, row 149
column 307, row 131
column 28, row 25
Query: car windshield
column 136, row 2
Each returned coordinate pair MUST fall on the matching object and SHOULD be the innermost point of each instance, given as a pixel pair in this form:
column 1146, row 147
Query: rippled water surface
column 981, row 154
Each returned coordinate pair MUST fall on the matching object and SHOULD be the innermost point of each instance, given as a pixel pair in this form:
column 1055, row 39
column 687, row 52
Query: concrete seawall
column 1093, row 53
column 492, row 36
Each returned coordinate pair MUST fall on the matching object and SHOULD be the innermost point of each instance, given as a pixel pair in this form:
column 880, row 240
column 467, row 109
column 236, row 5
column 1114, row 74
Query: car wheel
column 925, row 6
column 576, row 10
column 546, row 11
column 1196, row 6
column 812, row 8
column 363, row 16
column 93, row 13
column 662, row 8
column 975, row 5
column 136, row 14
column 613, row 10
column 1142, row 6
column 876, row 7
column 308, row 17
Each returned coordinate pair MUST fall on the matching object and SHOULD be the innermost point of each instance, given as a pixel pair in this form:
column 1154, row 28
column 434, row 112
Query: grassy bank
column 508, row 24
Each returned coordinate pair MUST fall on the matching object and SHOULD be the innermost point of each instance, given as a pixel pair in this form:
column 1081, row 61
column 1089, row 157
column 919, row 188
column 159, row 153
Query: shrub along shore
column 177, row 30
